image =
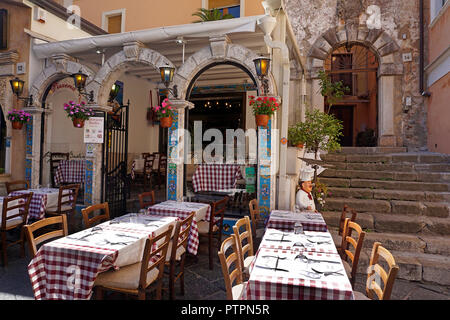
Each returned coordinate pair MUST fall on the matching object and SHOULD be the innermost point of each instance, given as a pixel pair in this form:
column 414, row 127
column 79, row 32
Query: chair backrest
column 357, row 245
column 243, row 237
column 104, row 216
column 181, row 235
column 217, row 212
column 254, row 214
column 376, row 273
column 162, row 163
column 33, row 241
column 55, row 159
column 231, row 274
column 18, row 185
column 145, row 155
column 11, row 211
column 145, row 204
column 67, row 197
column 345, row 212
column 154, row 257
column 148, row 164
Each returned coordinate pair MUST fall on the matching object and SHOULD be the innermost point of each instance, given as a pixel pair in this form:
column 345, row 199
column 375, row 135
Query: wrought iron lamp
column 17, row 86
column 80, row 83
column 262, row 66
column 114, row 92
column 167, row 73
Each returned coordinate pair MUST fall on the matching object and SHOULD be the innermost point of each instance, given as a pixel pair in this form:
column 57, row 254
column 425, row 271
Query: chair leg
column 172, row 281
column 141, row 295
column 98, row 293
column 4, row 247
column 210, row 250
column 181, row 279
column 22, row 242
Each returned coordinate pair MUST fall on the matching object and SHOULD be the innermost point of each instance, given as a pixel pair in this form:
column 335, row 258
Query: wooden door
column 345, row 114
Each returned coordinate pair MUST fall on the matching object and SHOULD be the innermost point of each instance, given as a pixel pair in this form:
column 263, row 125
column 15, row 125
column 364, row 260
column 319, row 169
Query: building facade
column 438, row 77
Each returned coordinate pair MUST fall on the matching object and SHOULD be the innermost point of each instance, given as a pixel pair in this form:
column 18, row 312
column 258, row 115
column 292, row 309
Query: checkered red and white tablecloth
column 214, row 177
column 70, row 171
column 66, row 269
column 182, row 210
column 271, row 285
column 41, row 200
column 285, row 220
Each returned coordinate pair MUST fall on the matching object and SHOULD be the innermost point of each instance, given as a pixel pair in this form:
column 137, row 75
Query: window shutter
column 3, row 29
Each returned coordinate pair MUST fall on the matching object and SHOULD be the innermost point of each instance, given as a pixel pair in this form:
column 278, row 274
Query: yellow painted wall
column 152, row 13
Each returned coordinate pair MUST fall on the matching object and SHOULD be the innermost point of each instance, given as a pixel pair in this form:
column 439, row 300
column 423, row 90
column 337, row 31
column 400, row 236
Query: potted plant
column 320, row 131
column 263, row 109
column 165, row 114
column 78, row 113
column 295, row 137
column 320, row 193
column 18, row 118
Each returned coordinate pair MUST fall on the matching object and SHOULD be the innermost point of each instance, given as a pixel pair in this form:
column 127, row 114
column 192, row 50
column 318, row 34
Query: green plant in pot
column 296, row 137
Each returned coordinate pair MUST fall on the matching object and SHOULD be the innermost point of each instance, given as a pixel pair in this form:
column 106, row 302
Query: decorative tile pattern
column 88, row 182
column 29, row 151
column 173, row 151
column 264, row 166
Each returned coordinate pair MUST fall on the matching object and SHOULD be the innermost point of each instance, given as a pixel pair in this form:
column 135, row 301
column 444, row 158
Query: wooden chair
column 376, row 273
column 137, row 278
column 55, row 159
column 14, row 216
column 177, row 254
column 18, row 185
column 254, row 214
column 357, row 245
column 90, row 222
column 244, row 243
column 232, row 275
column 67, row 200
column 346, row 212
column 213, row 228
column 39, row 225
column 145, row 204
column 148, row 171
column 162, row 170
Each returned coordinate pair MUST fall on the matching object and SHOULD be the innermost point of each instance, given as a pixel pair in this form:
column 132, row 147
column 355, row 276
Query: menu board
column 94, row 130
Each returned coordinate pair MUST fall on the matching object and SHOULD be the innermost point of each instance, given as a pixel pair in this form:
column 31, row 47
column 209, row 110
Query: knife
column 274, row 269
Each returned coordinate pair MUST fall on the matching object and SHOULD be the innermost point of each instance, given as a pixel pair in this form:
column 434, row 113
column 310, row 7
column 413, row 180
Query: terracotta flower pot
column 78, row 123
column 17, row 125
column 166, row 122
column 300, row 145
column 262, row 120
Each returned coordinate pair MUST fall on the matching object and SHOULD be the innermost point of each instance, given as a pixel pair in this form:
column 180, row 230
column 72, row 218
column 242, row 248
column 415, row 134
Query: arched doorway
column 356, row 66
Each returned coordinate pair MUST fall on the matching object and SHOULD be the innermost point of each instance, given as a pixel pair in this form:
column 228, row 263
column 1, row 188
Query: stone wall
column 312, row 20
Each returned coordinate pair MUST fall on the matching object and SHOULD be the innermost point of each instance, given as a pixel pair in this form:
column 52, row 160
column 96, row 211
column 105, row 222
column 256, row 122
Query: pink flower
column 164, row 111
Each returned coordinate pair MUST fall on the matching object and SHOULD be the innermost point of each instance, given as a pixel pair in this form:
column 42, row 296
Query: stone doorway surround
column 390, row 68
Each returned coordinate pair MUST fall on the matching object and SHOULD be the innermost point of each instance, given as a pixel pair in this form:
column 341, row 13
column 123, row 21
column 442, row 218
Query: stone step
column 411, row 254
column 387, row 185
column 364, row 193
column 391, row 167
column 360, row 205
column 395, row 223
column 371, row 150
column 388, row 175
column 398, row 158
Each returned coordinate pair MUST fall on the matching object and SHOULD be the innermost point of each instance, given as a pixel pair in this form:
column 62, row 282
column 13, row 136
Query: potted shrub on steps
column 18, row 118
column 263, row 109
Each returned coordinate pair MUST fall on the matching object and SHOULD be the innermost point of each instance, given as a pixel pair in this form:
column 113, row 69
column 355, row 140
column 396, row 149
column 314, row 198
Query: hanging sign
column 94, row 130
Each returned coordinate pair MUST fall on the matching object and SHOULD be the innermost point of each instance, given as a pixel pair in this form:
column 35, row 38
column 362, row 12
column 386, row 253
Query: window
column 114, row 21
column 232, row 7
column 3, row 29
column 436, row 7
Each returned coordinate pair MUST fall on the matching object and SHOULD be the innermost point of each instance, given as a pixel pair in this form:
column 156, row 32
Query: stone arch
column 233, row 53
column 61, row 67
column 382, row 44
column 114, row 66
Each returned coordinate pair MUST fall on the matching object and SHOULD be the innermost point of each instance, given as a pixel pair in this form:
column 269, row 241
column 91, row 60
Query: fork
column 326, row 274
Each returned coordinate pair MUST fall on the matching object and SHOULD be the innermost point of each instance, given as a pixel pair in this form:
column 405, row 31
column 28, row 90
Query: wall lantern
column 262, row 66
column 114, row 92
column 17, row 86
column 80, row 83
column 167, row 73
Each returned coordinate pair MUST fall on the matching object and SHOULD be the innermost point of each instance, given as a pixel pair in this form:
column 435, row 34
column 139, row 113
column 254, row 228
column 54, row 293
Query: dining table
column 286, row 220
column 297, row 266
column 66, row 268
column 216, row 177
column 42, row 199
column 70, row 171
column 181, row 210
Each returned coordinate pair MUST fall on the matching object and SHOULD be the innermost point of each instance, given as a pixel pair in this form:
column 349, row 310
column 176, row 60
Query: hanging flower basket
column 165, row 114
column 263, row 109
column 18, row 118
column 78, row 113
column 166, row 122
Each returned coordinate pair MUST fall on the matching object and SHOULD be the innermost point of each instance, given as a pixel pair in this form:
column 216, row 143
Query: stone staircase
column 403, row 201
